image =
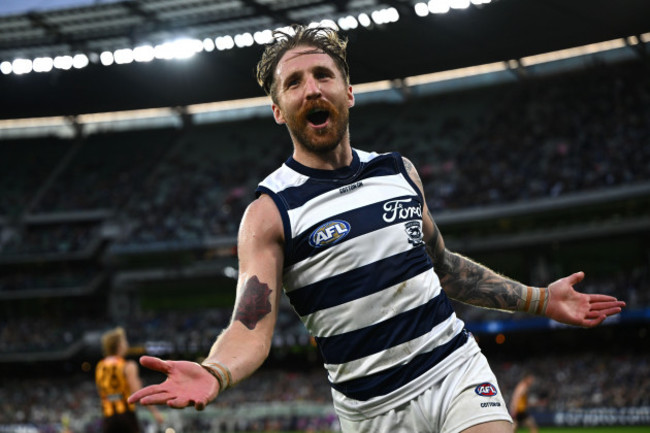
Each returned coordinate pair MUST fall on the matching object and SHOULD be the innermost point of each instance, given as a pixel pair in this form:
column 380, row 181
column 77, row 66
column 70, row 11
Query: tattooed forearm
column 472, row 283
column 254, row 303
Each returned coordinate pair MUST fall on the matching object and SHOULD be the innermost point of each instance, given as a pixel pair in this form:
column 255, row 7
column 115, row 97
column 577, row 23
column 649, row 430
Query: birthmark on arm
column 254, row 303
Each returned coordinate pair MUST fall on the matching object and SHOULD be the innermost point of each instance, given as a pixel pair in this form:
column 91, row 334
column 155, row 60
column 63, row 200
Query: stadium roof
column 500, row 31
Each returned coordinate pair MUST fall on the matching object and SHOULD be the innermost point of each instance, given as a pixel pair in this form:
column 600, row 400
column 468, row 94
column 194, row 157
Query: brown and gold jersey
column 112, row 386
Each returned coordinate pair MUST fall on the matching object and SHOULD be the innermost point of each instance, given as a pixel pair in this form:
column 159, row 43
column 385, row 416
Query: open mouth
column 318, row 116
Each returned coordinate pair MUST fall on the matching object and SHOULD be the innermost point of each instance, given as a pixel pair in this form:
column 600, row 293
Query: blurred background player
column 116, row 379
column 519, row 405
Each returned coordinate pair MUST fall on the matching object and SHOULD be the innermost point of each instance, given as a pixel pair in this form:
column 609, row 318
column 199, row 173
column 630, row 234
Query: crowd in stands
column 193, row 331
column 542, row 137
column 578, row 381
column 534, row 139
column 50, row 239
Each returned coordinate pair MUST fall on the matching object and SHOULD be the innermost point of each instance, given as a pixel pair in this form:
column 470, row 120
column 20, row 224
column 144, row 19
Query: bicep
column 261, row 258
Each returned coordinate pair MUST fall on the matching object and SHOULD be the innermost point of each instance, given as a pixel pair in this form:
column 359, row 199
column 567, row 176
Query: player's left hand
column 566, row 305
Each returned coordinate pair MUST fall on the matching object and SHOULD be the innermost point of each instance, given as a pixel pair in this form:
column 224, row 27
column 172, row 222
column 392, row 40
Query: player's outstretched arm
column 473, row 283
column 246, row 342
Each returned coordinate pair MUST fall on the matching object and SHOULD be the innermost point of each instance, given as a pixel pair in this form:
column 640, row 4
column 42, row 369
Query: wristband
column 220, row 372
column 536, row 300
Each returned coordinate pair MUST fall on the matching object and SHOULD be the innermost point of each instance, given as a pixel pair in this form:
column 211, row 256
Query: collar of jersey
column 343, row 173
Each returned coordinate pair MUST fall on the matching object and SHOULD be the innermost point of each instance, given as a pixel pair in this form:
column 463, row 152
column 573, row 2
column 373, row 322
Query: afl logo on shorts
column 329, row 233
column 486, row 390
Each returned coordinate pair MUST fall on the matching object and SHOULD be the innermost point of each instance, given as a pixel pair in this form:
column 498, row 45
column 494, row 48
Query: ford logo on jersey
column 329, row 233
column 486, row 390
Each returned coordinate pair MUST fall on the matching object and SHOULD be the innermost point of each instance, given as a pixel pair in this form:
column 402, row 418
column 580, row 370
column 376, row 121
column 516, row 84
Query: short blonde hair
column 111, row 340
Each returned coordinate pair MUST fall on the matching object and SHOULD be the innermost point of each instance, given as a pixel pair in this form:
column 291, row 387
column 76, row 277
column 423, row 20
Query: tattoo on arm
column 254, row 303
column 472, row 283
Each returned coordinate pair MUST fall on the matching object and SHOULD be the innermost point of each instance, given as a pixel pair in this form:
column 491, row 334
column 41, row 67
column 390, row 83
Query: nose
column 312, row 88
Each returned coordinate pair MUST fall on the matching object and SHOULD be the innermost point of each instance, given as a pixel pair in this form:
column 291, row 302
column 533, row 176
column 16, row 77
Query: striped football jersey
column 358, row 275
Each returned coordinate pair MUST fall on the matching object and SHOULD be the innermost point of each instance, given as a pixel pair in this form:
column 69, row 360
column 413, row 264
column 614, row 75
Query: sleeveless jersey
column 357, row 273
column 112, row 386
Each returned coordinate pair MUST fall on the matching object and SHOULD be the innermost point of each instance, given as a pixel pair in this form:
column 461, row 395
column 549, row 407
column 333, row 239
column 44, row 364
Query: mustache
column 317, row 104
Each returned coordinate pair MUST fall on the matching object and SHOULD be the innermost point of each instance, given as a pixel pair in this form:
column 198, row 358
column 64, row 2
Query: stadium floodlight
column 22, row 66
column 123, row 56
column 224, row 42
column 264, row 37
column 348, row 22
column 244, row 40
column 438, row 6
column 143, row 53
column 80, row 61
column 385, row 16
column 63, row 62
column 364, row 20
column 287, row 29
column 208, row 45
column 459, row 4
column 179, row 49
column 6, row 68
column 329, row 24
column 106, row 58
column 185, row 48
column 43, row 64
column 421, row 9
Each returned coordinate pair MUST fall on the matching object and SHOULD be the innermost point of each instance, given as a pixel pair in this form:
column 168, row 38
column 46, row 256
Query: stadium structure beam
column 264, row 10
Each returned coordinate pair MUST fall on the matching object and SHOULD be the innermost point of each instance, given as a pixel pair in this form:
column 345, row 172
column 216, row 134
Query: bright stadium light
column 421, row 9
column 22, row 66
column 438, row 6
column 208, row 45
column 287, row 29
column 43, row 64
column 329, row 24
column 264, row 37
column 123, row 56
column 244, row 40
column 6, row 68
column 106, row 58
column 224, row 42
column 80, row 61
column 364, row 20
column 347, row 23
column 143, row 53
column 186, row 48
column 63, row 62
column 459, row 4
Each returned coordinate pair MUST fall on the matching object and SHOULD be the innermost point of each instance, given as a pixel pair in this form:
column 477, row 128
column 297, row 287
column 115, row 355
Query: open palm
column 187, row 384
column 566, row 305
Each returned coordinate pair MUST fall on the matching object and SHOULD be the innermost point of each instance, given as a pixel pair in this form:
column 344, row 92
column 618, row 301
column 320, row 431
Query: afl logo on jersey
column 486, row 390
column 329, row 233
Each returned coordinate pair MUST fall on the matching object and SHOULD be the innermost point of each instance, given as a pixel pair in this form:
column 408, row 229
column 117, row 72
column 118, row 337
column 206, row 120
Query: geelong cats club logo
column 414, row 232
column 329, row 233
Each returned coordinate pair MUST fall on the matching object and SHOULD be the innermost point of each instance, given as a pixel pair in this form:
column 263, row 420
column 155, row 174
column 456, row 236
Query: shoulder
column 262, row 219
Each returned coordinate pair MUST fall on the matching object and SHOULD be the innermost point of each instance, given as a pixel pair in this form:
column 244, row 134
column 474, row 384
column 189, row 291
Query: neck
column 340, row 156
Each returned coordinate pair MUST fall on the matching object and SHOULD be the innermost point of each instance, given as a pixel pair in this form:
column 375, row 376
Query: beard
column 319, row 140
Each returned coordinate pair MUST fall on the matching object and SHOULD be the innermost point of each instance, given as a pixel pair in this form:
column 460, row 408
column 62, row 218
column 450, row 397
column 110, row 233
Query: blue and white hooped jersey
column 358, row 275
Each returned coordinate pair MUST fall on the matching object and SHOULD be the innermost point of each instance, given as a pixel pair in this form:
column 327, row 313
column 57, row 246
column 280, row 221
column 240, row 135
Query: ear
column 350, row 97
column 277, row 114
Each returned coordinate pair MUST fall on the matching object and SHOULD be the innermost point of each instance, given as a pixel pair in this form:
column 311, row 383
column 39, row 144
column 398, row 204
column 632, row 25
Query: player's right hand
column 187, row 384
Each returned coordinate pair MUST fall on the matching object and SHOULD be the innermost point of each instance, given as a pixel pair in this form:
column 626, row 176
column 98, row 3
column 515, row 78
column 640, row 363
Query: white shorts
column 468, row 396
